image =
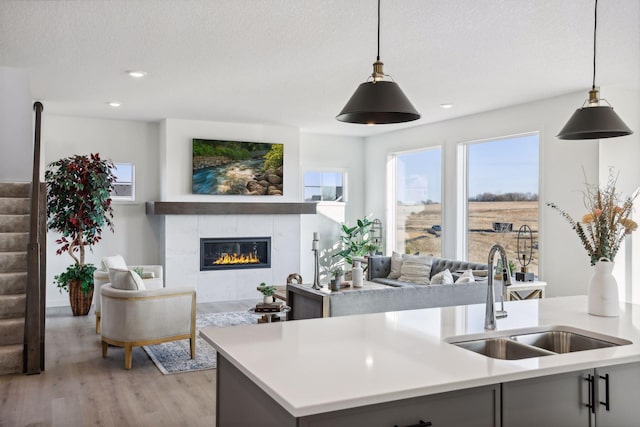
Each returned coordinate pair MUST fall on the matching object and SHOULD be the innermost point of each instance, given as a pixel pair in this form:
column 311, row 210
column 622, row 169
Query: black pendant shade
column 376, row 103
column 594, row 123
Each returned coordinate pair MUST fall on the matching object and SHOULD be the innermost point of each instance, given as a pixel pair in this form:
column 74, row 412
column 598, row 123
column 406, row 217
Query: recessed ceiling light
column 137, row 74
column 113, row 104
column 446, row 105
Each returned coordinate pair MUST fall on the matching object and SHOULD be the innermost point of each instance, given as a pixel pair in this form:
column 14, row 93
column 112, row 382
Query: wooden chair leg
column 192, row 342
column 128, row 356
column 105, row 346
column 97, row 323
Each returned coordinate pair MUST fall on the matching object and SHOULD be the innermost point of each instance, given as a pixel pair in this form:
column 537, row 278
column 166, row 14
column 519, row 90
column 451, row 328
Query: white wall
column 623, row 154
column 564, row 264
column 176, row 166
column 331, row 153
column 16, row 137
column 134, row 237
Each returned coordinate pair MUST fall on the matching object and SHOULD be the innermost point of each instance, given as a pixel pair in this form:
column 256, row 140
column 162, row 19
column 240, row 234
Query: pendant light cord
column 378, row 57
column 595, row 27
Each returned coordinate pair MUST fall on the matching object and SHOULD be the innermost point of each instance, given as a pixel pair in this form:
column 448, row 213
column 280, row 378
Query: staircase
column 14, row 239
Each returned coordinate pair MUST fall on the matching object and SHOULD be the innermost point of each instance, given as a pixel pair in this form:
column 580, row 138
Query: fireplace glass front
column 235, row 253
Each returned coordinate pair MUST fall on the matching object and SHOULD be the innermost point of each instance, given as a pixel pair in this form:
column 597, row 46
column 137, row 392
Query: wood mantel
column 233, row 208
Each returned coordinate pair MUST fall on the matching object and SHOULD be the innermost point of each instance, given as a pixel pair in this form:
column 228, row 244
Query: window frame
column 323, row 170
column 132, row 197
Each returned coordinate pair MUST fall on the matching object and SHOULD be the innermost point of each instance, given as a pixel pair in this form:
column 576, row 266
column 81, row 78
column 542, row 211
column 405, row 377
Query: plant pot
column 267, row 299
column 80, row 302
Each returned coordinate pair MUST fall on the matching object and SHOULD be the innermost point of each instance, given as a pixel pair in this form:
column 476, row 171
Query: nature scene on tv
column 237, row 168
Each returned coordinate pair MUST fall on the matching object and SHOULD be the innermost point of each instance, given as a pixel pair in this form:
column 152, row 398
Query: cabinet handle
column 420, row 424
column 592, row 394
column 606, row 391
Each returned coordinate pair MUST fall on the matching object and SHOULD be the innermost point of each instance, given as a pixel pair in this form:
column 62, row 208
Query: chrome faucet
column 490, row 310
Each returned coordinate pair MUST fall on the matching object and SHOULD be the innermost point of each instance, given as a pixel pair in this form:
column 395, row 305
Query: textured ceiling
column 297, row 62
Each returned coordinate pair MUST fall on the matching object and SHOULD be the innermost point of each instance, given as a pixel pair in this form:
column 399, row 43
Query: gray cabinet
column 473, row 407
column 621, row 407
column 602, row 397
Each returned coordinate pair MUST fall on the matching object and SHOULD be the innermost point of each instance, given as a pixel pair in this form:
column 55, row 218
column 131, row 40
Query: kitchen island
column 357, row 370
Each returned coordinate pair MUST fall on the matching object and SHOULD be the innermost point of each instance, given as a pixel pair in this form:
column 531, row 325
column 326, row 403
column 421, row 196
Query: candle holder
column 316, row 269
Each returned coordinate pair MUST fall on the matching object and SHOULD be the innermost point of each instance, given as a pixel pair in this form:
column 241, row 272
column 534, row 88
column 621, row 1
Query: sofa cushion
column 416, row 269
column 466, row 277
column 115, row 261
column 396, row 265
column 125, row 280
column 443, row 278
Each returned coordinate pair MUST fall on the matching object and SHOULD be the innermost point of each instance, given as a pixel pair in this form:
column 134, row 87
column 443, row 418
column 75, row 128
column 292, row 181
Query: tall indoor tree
column 78, row 208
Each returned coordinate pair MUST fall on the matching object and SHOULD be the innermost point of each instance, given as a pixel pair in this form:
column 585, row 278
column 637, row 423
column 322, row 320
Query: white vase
column 603, row 290
column 267, row 299
column 356, row 275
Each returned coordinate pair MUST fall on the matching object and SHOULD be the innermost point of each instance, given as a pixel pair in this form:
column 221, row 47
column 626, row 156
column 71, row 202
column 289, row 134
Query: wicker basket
column 80, row 302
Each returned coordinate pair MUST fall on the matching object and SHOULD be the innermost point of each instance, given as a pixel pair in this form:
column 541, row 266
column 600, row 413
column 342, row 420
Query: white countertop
column 320, row 365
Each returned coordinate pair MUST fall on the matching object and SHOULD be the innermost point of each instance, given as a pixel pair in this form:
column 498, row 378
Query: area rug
column 173, row 357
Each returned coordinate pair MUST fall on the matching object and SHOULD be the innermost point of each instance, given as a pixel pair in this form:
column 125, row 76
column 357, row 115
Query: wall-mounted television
column 237, row 168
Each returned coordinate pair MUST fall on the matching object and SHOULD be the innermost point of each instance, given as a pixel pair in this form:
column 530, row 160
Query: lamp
column 378, row 101
column 592, row 120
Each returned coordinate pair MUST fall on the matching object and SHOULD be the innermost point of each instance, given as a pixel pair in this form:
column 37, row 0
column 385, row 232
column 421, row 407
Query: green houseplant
column 267, row 292
column 78, row 207
column 355, row 239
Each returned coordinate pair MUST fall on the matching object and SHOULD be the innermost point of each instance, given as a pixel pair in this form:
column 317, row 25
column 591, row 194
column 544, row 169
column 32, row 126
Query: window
column 123, row 188
column 324, row 186
column 418, row 201
column 502, row 178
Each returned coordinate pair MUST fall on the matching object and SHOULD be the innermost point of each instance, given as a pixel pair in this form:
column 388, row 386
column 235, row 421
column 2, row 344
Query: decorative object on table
column 378, row 101
column 525, row 253
column 334, row 285
column 269, row 307
column 601, row 231
column 267, row 292
column 78, row 207
column 174, row 357
column 376, row 233
column 315, row 247
column 357, row 274
column 338, row 273
column 354, row 239
column 294, row 278
column 214, row 162
column 592, row 120
column 371, row 248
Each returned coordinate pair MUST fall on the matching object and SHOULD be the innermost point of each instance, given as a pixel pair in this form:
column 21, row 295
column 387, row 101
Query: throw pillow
column 443, row 278
column 396, row 265
column 467, row 277
column 148, row 275
column 125, row 280
column 416, row 269
column 115, row 261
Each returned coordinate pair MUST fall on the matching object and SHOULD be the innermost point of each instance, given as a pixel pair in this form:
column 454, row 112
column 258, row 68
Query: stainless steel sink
column 503, row 348
column 535, row 342
column 562, row 341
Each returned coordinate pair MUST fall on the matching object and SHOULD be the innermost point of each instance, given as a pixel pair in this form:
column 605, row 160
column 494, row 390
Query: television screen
column 237, row 168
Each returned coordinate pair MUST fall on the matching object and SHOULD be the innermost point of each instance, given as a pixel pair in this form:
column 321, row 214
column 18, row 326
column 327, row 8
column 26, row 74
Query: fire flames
column 237, row 259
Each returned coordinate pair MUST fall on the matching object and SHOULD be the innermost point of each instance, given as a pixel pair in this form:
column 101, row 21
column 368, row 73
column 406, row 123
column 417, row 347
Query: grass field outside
column 422, row 231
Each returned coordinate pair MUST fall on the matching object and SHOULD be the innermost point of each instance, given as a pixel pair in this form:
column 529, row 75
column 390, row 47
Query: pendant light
column 592, row 120
column 378, row 101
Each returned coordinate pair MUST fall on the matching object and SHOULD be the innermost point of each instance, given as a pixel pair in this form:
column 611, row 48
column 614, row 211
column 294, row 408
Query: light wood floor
column 80, row 388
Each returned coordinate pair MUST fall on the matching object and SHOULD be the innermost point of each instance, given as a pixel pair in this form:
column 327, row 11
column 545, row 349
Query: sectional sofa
column 390, row 294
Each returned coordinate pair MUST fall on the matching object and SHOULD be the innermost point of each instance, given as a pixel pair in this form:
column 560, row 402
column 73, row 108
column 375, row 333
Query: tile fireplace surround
column 180, row 247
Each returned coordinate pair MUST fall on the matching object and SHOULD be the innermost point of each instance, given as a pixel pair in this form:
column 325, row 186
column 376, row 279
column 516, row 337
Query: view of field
column 420, row 235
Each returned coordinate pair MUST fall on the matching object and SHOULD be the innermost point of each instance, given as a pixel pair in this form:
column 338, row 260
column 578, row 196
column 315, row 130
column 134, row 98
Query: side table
column 519, row 291
column 268, row 317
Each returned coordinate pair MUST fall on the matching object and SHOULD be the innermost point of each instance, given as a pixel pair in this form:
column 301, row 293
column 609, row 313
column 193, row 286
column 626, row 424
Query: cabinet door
column 624, row 408
column 554, row 400
column 476, row 407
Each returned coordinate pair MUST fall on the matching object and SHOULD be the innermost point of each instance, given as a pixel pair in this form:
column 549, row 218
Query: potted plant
column 371, row 248
column 354, row 239
column 78, row 207
column 338, row 273
column 267, row 292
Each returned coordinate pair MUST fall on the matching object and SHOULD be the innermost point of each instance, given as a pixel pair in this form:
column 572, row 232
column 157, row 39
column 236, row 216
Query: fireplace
column 229, row 253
